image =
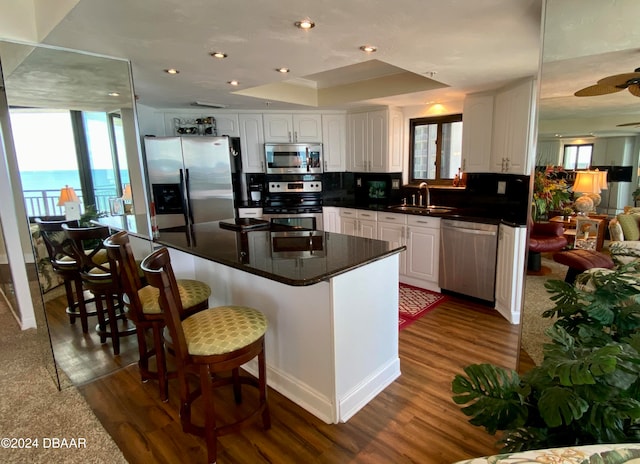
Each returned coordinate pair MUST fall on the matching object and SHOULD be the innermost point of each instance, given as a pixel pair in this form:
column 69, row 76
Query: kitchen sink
column 433, row 209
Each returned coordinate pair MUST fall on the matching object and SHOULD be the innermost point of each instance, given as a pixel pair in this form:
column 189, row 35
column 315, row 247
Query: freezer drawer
column 468, row 253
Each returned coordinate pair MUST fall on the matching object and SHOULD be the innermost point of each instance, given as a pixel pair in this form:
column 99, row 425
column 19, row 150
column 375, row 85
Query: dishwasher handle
column 470, row 231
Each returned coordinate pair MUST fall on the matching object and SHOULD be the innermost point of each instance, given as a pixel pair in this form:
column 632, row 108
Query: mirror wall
column 583, row 42
column 46, row 88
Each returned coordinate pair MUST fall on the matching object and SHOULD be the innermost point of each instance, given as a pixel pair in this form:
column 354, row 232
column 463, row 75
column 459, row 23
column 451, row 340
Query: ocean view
column 55, row 180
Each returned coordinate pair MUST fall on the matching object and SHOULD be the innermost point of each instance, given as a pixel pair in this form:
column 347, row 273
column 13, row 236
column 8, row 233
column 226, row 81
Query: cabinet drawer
column 394, row 218
column 368, row 215
column 348, row 212
column 421, row 221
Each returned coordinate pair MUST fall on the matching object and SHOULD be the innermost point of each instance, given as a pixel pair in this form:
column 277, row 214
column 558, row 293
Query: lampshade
column 67, row 195
column 603, row 180
column 587, row 182
column 126, row 194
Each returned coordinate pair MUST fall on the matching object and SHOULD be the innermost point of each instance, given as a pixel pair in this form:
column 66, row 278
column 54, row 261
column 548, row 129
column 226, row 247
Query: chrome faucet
column 426, row 191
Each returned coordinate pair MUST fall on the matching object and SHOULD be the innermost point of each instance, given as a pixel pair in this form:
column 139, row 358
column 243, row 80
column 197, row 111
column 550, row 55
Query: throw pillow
column 629, row 224
column 615, row 231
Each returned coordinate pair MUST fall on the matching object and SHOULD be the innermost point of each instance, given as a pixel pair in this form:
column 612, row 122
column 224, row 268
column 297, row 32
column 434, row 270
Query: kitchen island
column 331, row 301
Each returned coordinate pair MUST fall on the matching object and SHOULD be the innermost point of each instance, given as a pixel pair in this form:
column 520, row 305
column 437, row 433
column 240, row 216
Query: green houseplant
column 586, row 390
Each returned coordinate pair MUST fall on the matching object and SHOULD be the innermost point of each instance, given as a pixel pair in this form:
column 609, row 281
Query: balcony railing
column 45, row 202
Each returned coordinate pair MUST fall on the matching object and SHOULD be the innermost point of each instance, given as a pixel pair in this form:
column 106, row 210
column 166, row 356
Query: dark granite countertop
column 291, row 257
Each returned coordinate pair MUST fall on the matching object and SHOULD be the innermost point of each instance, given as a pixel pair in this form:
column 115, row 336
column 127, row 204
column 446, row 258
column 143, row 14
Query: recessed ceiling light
column 283, row 70
column 233, row 83
column 368, row 48
column 171, row 71
column 113, row 94
column 305, row 24
column 218, row 55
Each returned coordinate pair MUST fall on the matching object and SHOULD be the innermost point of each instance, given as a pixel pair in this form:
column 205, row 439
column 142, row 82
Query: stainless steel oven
column 294, row 201
column 293, row 158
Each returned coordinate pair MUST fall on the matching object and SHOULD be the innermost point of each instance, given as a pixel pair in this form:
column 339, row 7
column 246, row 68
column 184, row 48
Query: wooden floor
column 413, row 421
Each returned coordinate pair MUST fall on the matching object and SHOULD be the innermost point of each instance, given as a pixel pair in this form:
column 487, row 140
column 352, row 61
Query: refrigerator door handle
column 188, row 190
column 185, row 198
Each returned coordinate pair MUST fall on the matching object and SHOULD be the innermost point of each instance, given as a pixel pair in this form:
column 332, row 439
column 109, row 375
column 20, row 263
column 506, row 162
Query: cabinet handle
column 325, row 165
column 262, row 166
column 407, row 236
column 295, row 136
column 506, row 165
column 464, row 164
column 290, row 139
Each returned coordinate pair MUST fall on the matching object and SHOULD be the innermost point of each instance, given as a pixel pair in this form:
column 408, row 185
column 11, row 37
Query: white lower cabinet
column 331, row 219
column 423, row 251
column 421, row 236
column 510, row 271
column 361, row 223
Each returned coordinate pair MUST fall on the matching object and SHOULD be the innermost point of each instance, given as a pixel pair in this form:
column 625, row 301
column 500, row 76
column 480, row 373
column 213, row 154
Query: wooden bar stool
column 144, row 310
column 60, row 251
column 91, row 255
column 215, row 340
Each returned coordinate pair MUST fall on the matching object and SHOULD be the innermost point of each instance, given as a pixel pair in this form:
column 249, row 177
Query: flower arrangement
column 550, row 192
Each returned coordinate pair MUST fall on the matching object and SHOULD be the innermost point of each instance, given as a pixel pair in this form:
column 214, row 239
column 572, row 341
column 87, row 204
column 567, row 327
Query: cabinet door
column 378, row 141
column 348, row 225
column 334, row 142
column 331, row 219
column 367, row 229
column 501, row 115
column 251, row 142
column 518, row 144
column 477, row 119
column 307, row 128
column 423, row 251
column 227, row 124
column 357, row 142
column 510, row 271
column 394, row 233
column 396, row 141
column 278, row 128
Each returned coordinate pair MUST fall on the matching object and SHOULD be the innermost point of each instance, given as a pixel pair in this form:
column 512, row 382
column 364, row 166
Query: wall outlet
column 502, row 187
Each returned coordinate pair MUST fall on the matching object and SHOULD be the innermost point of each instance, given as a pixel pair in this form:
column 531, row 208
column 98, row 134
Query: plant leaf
column 559, row 405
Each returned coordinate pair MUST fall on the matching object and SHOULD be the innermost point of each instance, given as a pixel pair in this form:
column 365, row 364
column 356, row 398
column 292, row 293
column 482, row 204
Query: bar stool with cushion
column 215, row 340
column 63, row 262
column 90, row 253
column 143, row 307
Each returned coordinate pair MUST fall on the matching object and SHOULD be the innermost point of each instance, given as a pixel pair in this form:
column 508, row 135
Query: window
column 435, row 152
column 577, row 157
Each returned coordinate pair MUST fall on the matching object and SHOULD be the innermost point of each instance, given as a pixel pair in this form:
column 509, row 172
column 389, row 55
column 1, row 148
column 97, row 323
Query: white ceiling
column 428, row 51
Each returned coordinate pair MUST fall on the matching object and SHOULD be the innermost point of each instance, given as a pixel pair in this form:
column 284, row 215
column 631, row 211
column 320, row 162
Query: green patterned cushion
column 629, row 224
column 192, row 292
column 223, row 329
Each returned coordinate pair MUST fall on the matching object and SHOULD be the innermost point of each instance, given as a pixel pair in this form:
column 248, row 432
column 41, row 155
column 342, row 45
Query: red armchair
column 544, row 237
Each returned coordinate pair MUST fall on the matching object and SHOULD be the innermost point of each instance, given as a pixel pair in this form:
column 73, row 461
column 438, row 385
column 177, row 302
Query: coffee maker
column 255, row 187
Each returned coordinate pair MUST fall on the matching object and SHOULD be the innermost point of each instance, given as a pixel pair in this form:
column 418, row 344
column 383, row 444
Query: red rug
column 416, row 302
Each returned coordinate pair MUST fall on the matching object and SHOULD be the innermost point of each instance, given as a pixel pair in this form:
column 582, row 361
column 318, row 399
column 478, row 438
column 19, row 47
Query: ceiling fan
column 634, row 124
column 613, row 84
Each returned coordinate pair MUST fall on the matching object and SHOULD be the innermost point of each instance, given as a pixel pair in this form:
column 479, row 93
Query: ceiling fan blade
column 619, row 79
column 637, row 124
column 594, row 90
column 634, row 89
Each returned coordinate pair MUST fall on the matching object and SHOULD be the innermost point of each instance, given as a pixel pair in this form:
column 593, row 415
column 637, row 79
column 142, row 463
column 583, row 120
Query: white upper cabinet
column 334, row 142
column 513, row 129
column 498, row 131
column 477, row 122
column 292, row 128
column 375, row 141
column 251, row 142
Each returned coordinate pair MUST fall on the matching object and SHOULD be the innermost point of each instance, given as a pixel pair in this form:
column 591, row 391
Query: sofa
column 612, row 454
column 624, row 232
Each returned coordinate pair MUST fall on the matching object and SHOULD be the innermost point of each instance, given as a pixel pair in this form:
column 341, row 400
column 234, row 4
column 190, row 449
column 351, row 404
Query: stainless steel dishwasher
column 468, row 258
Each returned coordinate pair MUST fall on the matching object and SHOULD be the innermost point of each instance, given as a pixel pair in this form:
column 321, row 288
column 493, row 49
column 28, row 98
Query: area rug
column 416, row 302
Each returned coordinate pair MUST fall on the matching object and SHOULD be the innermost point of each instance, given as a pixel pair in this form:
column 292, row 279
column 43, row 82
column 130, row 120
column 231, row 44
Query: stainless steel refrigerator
column 191, row 179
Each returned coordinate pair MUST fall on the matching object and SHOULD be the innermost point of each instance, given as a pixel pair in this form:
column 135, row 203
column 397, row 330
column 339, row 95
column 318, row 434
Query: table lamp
column 70, row 201
column 587, row 183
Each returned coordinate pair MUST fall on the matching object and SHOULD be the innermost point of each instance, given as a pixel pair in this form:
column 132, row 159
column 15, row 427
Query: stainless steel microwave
column 293, row 158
